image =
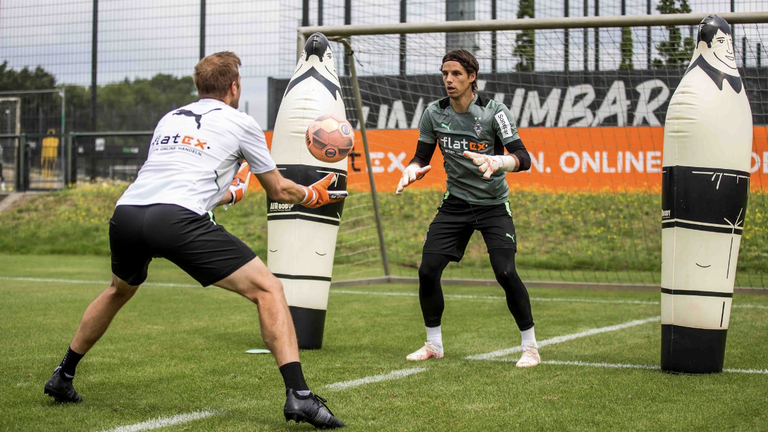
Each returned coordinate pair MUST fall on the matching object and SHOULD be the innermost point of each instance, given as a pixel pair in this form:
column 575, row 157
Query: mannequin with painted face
column 705, row 187
column 714, row 53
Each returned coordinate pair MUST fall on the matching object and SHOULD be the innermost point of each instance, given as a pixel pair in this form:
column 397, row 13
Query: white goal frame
column 341, row 34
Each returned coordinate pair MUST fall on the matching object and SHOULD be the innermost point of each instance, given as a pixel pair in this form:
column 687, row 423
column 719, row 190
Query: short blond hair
column 215, row 74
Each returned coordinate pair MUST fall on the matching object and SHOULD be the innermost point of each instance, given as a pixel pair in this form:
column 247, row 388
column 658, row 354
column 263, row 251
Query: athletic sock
column 529, row 338
column 69, row 363
column 435, row 336
column 294, row 377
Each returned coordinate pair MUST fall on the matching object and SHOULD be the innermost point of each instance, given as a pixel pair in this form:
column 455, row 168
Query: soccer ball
column 330, row 138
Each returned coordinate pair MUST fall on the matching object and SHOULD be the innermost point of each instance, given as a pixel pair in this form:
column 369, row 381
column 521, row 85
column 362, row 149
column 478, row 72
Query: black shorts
column 456, row 220
column 194, row 242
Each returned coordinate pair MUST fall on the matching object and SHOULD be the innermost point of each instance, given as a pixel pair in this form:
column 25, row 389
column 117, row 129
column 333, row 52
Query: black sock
column 69, row 364
column 293, row 377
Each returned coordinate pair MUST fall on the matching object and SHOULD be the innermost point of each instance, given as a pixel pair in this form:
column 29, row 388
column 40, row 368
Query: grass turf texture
column 575, row 237
column 177, row 350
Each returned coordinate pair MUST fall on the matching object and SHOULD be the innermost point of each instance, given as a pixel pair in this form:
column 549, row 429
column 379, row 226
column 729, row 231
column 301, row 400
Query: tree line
column 129, row 105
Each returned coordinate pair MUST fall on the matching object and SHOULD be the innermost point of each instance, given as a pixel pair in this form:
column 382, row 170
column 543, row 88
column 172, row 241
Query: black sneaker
column 61, row 389
column 311, row 409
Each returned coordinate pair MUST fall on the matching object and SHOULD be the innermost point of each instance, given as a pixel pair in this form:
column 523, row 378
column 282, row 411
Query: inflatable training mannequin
column 705, row 187
column 302, row 241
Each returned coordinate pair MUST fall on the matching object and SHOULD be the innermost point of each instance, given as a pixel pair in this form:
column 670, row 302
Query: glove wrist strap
column 307, row 199
column 507, row 163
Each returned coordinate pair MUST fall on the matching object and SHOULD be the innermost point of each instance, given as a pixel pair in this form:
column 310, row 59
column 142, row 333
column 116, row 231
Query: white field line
column 541, row 299
column 495, row 297
column 376, row 378
column 747, row 371
column 565, row 338
column 627, row 366
column 373, row 293
column 96, row 282
column 489, row 356
column 164, row 421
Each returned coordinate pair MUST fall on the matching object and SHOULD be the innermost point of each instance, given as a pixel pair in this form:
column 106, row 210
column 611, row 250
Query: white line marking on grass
column 541, row 299
column 97, row 282
column 749, row 306
column 397, row 294
column 565, row 338
column 373, row 293
column 376, row 378
column 748, row 371
column 580, row 363
column 569, row 300
column 605, row 365
column 165, row 421
column 494, row 297
column 628, row 366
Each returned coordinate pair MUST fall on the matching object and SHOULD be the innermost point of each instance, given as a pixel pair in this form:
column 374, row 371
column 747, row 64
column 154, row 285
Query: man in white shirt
column 195, row 154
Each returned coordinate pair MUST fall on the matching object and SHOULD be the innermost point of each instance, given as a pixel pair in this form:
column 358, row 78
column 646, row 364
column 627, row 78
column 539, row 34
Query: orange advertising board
column 612, row 159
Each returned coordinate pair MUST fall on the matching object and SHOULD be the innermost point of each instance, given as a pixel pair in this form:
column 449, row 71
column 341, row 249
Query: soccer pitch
column 174, row 359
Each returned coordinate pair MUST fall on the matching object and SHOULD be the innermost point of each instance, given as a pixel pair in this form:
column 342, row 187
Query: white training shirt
column 195, row 153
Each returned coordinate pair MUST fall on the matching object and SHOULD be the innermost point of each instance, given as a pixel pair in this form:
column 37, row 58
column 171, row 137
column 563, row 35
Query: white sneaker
column 428, row 351
column 529, row 358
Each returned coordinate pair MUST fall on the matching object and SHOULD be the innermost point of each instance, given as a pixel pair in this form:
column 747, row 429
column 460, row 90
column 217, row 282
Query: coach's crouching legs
column 255, row 282
column 95, row 322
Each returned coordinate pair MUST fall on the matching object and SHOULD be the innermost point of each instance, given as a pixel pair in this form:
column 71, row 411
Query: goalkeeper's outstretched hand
column 239, row 185
column 411, row 173
column 317, row 194
column 488, row 164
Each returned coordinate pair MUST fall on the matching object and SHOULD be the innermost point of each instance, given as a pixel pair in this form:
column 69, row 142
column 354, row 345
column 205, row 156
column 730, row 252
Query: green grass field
column 180, row 349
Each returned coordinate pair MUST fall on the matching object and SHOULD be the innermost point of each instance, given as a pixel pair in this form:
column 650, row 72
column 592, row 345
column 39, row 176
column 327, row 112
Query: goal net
column 589, row 104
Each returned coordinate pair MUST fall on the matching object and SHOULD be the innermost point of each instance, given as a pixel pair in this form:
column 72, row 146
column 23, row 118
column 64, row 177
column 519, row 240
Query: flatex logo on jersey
column 178, row 142
column 459, row 144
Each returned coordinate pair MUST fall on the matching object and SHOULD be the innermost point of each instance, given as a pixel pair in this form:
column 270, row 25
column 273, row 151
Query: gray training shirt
column 486, row 128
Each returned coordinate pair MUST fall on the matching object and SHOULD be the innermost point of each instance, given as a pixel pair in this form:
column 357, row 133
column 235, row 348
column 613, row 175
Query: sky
column 140, row 38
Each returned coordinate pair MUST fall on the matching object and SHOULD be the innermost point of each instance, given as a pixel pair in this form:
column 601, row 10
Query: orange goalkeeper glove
column 239, row 185
column 317, row 194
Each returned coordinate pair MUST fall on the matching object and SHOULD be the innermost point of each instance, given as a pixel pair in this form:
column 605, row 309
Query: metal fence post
column 68, row 172
column 21, row 164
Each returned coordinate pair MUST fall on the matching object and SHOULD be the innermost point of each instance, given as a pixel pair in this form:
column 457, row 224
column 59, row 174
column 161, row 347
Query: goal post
column 10, row 128
column 587, row 212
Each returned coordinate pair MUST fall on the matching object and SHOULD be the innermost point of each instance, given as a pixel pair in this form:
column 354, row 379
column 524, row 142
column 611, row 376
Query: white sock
column 435, row 336
column 529, row 338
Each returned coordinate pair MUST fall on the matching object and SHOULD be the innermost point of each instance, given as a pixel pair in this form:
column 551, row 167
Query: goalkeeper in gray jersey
column 472, row 133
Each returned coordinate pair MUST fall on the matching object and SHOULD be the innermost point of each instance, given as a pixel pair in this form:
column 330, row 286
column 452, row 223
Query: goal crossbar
column 526, row 24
